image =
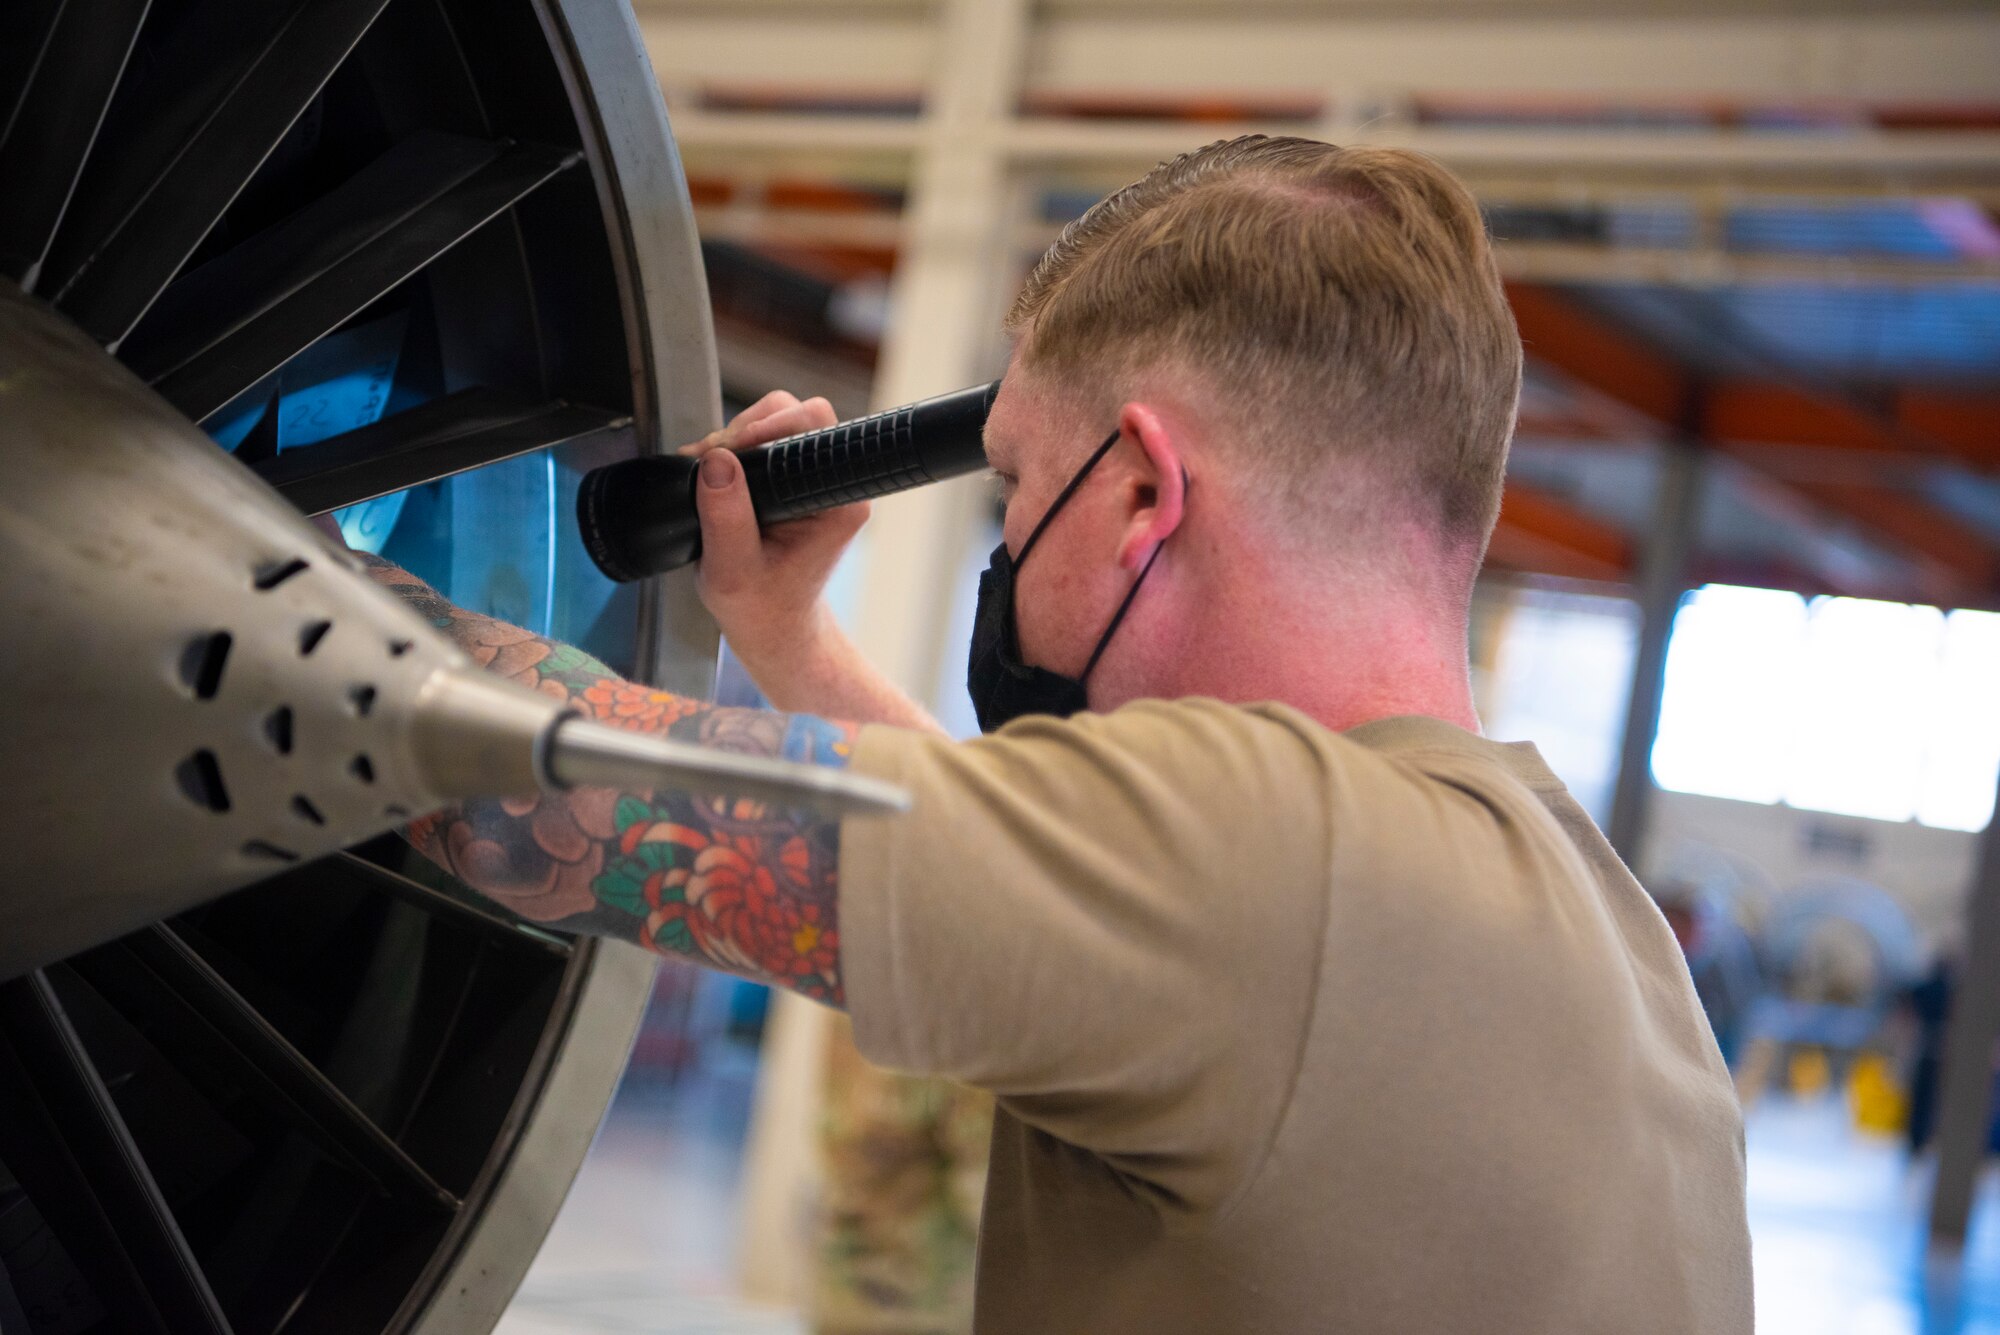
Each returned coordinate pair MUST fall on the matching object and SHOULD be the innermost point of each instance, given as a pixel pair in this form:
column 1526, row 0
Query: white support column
column 781, row 1171
column 944, row 304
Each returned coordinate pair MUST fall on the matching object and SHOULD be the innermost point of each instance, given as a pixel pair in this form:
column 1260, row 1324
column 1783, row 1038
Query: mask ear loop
column 1104, row 640
column 1062, row 497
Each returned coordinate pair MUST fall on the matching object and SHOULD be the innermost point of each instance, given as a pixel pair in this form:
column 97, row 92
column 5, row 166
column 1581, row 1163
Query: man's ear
column 1155, row 485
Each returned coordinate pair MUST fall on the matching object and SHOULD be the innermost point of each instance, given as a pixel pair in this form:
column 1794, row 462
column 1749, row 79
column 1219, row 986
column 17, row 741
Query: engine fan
column 420, row 264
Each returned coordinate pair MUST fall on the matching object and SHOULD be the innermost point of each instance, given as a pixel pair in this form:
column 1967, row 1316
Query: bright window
column 1956, row 790
column 1858, row 710
column 1733, row 660
column 1862, row 708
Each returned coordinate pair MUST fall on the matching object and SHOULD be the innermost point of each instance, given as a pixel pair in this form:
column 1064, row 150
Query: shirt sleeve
column 1113, row 923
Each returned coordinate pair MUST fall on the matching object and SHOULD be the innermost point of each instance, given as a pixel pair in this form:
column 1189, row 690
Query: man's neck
column 1342, row 657
column 1345, row 676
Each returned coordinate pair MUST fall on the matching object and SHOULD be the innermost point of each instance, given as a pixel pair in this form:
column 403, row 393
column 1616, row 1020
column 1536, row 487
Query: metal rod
column 584, row 754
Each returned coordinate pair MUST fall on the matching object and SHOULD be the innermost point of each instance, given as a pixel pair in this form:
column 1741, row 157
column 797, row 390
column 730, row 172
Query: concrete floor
column 643, row 1246
column 1837, row 1231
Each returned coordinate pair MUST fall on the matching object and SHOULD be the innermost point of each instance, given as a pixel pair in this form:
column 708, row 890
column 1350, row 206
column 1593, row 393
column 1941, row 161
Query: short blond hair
column 1344, row 302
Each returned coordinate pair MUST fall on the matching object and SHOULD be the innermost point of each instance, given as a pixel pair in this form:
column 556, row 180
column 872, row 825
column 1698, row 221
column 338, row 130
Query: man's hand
column 764, row 588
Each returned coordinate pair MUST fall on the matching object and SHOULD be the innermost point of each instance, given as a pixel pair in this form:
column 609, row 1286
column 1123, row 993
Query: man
column 1306, row 1008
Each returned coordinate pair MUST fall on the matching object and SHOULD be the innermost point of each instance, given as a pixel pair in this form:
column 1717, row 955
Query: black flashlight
column 638, row 516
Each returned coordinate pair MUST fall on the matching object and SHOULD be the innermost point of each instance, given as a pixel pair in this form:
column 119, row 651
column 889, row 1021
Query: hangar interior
column 1744, row 592
column 1752, row 252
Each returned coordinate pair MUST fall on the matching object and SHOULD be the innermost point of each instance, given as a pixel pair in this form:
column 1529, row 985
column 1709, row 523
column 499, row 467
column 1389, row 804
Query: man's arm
column 733, row 884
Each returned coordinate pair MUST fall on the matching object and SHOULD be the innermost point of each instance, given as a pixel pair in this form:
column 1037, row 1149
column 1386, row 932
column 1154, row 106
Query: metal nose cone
column 199, row 691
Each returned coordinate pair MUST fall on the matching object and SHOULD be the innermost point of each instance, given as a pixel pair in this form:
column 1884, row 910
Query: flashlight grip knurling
column 638, row 517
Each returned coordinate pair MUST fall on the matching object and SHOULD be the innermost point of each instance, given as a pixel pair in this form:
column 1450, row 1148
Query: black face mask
column 1003, row 687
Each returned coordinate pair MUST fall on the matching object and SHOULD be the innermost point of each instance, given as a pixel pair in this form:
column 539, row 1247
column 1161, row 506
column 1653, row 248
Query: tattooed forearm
column 735, row 884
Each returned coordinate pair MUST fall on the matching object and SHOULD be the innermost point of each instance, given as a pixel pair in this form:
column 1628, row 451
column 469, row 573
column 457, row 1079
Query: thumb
column 730, row 540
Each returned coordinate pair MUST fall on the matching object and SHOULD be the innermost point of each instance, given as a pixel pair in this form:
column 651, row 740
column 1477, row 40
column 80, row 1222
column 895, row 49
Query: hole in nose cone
column 303, row 808
column 363, row 769
column 363, row 698
column 202, row 663
column 271, row 576
column 200, row 777
column 311, row 634
column 278, row 729
column 258, row 848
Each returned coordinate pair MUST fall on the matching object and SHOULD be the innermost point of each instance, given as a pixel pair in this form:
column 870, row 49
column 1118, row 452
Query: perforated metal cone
column 198, row 691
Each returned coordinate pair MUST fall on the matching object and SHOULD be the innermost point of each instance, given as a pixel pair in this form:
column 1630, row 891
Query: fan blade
column 184, row 151
column 271, row 325
column 25, row 29
column 206, row 306
column 205, row 1008
column 44, row 144
column 63, row 1138
column 461, row 431
column 361, row 863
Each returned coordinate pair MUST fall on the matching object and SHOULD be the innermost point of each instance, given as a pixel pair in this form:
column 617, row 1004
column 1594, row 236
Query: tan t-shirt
column 1294, row 1030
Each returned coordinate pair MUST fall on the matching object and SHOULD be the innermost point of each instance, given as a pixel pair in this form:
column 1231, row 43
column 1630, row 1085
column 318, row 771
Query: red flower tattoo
column 746, row 905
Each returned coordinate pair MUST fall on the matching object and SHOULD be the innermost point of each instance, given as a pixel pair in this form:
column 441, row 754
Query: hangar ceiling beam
column 1853, row 160
column 1934, row 425
column 751, row 222
column 1954, row 564
column 1542, row 533
column 1856, row 50
column 1707, row 90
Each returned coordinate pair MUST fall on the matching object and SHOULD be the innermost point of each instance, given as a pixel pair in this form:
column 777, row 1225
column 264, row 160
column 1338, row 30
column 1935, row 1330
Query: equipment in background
column 638, row 516
column 1836, row 953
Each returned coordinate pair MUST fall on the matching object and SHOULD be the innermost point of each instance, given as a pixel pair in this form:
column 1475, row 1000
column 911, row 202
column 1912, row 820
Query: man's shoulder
column 1267, row 719
column 1230, row 751
column 1414, row 748
column 1198, row 739
column 1187, row 735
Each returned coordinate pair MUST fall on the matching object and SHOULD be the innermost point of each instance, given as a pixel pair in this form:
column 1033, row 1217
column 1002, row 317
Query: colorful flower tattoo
column 735, row 884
